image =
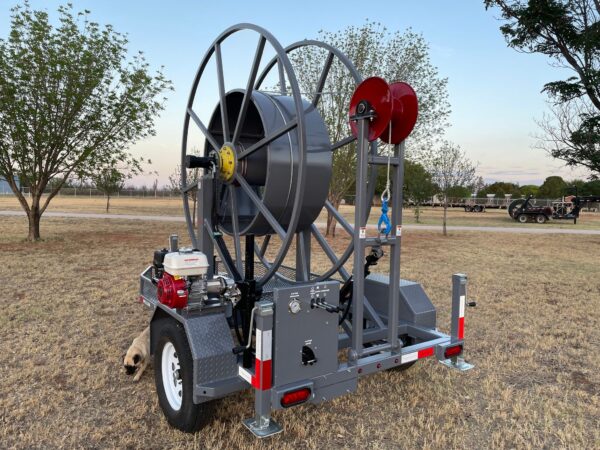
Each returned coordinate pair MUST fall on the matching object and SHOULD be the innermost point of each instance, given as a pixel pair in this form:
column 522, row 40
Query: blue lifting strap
column 384, row 226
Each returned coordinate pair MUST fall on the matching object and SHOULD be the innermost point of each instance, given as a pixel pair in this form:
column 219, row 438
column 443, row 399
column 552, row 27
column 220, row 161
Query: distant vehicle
column 475, row 207
column 523, row 210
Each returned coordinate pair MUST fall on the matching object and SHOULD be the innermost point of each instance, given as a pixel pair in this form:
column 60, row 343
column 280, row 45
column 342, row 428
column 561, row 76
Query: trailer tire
column 522, row 218
column 540, row 218
column 467, row 209
column 173, row 364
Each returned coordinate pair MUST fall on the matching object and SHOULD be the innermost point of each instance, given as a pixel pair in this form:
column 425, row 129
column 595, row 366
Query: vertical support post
column 249, row 258
column 204, row 199
column 261, row 425
column 360, row 234
column 457, row 327
column 394, row 294
column 303, row 255
column 459, row 298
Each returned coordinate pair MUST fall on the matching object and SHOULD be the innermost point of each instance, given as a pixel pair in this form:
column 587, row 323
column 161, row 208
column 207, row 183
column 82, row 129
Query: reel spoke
column 328, row 251
column 264, row 245
column 236, row 228
column 341, row 143
column 261, row 206
column 221, row 80
column 340, row 219
column 322, row 79
column 282, row 86
column 204, row 130
column 267, row 140
column 248, row 93
column 189, row 188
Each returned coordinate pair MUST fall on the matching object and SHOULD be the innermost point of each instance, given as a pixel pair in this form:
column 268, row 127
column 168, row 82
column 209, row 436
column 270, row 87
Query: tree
column 375, row 51
column 450, row 167
column 563, row 138
column 567, row 31
column 418, row 185
column 529, row 189
column 459, row 192
column 70, row 102
column 109, row 181
column 500, row 189
column 553, row 187
column 193, row 177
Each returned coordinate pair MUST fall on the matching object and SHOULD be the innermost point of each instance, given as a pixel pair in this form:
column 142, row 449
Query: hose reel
column 273, row 158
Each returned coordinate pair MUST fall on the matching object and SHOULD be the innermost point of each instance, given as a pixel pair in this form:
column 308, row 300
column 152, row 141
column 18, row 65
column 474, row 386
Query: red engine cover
column 172, row 292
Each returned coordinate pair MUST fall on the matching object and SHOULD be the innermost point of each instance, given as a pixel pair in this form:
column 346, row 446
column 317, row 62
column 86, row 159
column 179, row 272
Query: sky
column 494, row 91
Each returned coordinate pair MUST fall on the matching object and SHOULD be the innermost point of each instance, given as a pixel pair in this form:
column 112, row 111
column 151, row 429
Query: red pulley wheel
column 405, row 109
column 376, row 91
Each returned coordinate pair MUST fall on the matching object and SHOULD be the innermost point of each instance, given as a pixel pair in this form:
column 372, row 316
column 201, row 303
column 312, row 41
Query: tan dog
column 137, row 357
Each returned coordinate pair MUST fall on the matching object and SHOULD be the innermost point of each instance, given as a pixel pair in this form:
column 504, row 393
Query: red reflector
column 453, row 351
column 295, row 397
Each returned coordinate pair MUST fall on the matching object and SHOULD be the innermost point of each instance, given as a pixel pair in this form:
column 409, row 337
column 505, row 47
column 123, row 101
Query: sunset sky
column 494, row 90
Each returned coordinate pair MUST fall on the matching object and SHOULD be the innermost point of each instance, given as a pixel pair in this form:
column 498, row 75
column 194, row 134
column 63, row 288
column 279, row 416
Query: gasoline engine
column 181, row 281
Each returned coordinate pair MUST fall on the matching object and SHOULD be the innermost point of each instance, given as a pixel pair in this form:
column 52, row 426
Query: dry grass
column 69, row 311
column 173, row 207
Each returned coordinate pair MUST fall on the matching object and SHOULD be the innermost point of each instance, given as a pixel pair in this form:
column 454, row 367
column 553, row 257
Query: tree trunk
column 34, row 215
column 107, row 203
column 417, row 212
column 445, row 215
column 331, row 222
column 194, row 211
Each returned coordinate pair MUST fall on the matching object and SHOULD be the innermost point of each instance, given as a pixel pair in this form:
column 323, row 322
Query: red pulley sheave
column 172, row 292
column 405, row 110
column 377, row 93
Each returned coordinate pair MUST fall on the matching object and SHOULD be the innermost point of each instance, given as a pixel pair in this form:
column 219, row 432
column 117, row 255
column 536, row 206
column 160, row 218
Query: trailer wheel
column 467, row 209
column 522, row 218
column 173, row 375
column 540, row 218
column 477, row 208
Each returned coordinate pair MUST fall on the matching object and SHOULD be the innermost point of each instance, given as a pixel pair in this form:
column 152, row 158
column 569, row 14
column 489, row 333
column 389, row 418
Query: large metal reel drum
column 271, row 170
column 337, row 263
column 251, row 150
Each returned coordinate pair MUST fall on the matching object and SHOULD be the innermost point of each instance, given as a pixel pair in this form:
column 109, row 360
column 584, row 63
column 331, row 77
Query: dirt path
column 524, row 229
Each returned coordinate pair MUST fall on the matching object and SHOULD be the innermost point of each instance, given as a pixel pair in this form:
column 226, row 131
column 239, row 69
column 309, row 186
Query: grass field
column 173, row 207
column 69, row 312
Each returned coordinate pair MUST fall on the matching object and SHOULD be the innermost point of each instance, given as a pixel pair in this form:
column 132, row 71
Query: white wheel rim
column 171, row 376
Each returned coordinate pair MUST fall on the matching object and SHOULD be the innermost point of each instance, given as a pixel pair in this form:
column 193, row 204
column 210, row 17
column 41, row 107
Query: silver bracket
column 457, row 363
column 263, row 427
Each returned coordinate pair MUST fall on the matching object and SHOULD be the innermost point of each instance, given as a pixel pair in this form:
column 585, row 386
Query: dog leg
column 140, row 371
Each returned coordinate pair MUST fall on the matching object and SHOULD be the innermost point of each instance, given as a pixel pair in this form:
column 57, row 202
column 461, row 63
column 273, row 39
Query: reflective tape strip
column 461, row 327
column 461, row 307
column 264, row 344
column 245, row 374
column 262, row 377
column 413, row 356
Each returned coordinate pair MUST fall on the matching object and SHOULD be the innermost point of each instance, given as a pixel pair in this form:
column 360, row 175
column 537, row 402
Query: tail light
column 296, row 397
column 454, row 350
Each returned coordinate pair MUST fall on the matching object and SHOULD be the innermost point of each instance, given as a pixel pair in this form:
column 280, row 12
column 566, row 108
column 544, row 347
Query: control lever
column 472, row 303
column 320, row 303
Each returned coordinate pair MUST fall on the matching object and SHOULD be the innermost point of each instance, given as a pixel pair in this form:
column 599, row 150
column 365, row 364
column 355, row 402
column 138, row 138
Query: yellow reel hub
column 226, row 163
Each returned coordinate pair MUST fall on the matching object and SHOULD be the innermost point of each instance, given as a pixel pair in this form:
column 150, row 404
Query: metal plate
column 311, row 327
column 376, row 91
column 405, row 110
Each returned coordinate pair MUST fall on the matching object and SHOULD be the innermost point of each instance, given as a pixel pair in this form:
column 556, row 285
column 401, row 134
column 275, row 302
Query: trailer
column 523, row 210
column 246, row 306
